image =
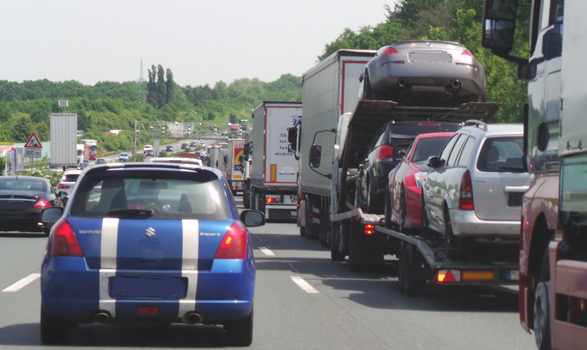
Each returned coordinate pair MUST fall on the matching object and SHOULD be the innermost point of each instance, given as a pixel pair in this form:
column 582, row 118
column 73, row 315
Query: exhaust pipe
column 402, row 83
column 192, row 318
column 456, row 84
column 102, row 317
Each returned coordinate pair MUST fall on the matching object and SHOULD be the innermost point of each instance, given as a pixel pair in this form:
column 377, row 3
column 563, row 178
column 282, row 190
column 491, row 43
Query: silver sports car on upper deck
column 424, row 73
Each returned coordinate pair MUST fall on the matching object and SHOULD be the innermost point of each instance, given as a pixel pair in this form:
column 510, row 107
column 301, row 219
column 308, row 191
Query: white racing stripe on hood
column 189, row 266
column 108, row 248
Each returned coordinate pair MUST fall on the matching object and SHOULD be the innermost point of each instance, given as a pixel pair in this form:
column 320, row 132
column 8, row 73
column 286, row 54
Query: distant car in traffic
column 82, row 165
column 424, row 73
column 193, row 144
column 149, row 243
column 149, row 153
column 185, row 146
column 169, row 148
column 100, row 161
column 68, row 180
column 22, row 199
column 123, row 157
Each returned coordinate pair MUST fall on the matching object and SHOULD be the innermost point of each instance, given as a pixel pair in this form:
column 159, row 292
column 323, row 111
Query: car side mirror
column 401, row 152
column 252, row 218
column 62, row 195
column 434, row 162
column 49, row 216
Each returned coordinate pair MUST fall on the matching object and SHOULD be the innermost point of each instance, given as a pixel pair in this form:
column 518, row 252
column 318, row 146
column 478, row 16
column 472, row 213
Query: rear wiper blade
column 132, row 212
column 512, row 169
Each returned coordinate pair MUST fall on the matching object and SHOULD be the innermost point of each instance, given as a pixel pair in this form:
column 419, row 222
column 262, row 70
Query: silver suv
column 475, row 188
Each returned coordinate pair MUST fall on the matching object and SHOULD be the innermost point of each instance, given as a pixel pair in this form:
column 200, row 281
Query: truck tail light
column 234, row 243
column 466, row 192
column 369, row 229
column 272, row 200
column 384, row 154
column 64, row 242
column 42, row 204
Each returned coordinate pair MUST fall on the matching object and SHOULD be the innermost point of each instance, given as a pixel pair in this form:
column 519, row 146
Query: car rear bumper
column 466, row 223
column 70, row 290
column 389, row 74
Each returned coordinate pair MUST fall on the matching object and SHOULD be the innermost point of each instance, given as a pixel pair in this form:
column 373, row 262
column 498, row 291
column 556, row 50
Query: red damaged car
column 403, row 200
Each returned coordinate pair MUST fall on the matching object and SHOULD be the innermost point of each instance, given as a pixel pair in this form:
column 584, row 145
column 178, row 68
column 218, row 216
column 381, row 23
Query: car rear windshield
column 501, row 154
column 70, row 177
column 22, row 185
column 151, row 194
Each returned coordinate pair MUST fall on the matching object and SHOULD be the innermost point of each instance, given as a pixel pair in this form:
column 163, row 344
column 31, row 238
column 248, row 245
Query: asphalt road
column 303, row 300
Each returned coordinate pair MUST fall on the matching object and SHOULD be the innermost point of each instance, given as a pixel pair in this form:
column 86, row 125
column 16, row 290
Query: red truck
column 553, row 244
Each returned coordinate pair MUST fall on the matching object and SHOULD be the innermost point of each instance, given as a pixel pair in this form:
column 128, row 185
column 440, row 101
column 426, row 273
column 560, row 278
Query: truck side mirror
column 499, row 23
column 315, row 156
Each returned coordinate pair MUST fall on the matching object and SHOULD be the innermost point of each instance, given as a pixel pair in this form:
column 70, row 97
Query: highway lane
column 302, row 301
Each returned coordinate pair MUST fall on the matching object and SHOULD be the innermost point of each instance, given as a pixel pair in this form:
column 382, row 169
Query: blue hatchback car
column 149, row 242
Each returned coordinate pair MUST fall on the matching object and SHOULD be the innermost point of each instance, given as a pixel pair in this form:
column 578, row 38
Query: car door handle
column 516, row 188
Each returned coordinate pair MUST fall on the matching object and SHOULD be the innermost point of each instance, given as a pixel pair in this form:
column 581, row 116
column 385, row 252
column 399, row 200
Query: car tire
column 426, row 232
column 401, row 222
column 367, row 90
column 53, row 329
column 387, row 210
column 542, row 306
column 241, row 331
column 451, row 240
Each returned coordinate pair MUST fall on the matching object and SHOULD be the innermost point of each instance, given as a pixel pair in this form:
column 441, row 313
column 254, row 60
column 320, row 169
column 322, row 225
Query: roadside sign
column 33, row 142
column 32, row 152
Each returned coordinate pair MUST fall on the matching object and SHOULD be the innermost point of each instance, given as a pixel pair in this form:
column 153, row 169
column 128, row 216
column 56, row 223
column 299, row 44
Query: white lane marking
column 306, row 287
column 266, row 251
column 22, row 283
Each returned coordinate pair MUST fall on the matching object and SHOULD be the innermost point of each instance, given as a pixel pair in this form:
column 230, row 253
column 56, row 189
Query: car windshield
column 501, row 154
column 171, row 195
column 428, row 148
column 22, row 185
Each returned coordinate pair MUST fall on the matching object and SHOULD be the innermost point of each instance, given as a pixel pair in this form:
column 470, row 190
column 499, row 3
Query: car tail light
column 64, row 241
column 467, row 53
column 389, row 51
column 63, row 186
column 384, row 154
column 466, row 192
column 42, row 204
column 234, row 243
column 369, row 228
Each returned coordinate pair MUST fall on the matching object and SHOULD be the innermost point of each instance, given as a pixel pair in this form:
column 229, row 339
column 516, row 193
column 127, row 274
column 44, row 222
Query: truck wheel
column 409, row 284
column 312, row 230
column 542, row 306
column 336, row 243
column 253, row 203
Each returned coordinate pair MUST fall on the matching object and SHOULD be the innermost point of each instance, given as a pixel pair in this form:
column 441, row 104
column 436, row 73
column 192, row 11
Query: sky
column 201, row 41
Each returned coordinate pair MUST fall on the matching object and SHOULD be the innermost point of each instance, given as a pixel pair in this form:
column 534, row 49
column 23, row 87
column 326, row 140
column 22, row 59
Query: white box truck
column 274, row 169
column 64, row 139
column 234, row 173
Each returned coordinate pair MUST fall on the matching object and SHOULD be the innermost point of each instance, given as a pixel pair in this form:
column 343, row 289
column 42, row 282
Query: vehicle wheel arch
column 541, row 236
